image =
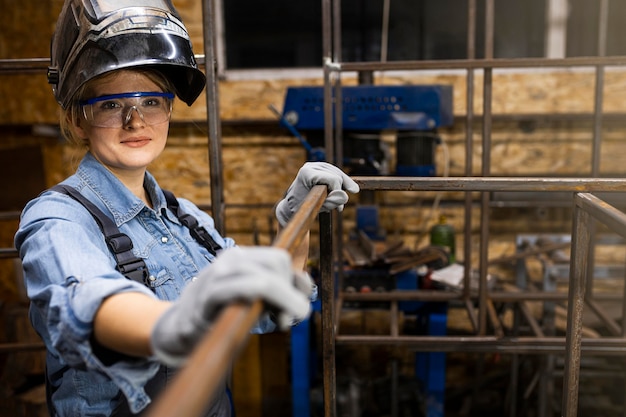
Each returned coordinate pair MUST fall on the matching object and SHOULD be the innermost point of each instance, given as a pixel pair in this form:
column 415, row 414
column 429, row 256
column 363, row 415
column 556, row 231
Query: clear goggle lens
column 116, row 110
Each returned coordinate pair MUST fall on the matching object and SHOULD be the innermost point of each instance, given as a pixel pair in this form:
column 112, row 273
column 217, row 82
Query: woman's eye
column 151, row 102
column 110, row 105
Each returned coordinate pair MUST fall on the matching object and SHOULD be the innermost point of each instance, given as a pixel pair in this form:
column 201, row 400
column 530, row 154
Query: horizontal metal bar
column 522, row 345
column 20, row 347
column 491, row 184
column 8, row 253
column 21, row 65
column 477, row 64
column 41, row 64
column 441, row 296
column 24, row 65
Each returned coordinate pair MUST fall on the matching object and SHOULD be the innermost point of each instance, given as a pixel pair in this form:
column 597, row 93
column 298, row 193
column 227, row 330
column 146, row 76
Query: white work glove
column 316, row 173
column 237, row 274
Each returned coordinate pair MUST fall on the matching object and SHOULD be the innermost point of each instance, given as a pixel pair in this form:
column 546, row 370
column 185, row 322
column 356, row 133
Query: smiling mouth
column 136, row 142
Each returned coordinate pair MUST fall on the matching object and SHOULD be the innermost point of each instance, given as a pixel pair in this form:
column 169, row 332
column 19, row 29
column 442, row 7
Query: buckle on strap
column 119, row 243
column 200, row 234
column 128, row 264
column 136, row 270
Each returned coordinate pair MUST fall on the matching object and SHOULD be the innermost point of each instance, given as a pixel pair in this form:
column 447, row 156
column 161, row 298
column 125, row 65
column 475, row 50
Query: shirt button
column 164, row 239
column 193, row 279
column 152, row 278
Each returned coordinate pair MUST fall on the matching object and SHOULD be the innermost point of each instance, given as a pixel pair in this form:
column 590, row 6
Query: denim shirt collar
column 114, row 195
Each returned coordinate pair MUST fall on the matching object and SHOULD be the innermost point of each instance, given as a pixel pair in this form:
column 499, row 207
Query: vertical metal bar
column 576, row 299
column 327, row 35
column 469, row 133
column 337, row 56
column 394, row 311
column 521, row 282
column 546, row 383
column 597, row 123
column 623, row 321
column 486, row 168
column 328, row 314
column 384, row 37
column 213, row 116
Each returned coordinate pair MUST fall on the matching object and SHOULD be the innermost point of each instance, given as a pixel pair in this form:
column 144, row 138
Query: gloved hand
column 315, row 173
column 239, row 273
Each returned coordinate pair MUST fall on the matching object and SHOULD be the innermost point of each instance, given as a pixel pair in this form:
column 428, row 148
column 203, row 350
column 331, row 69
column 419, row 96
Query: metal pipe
column 486, row 344
column 469, row 145
column 530, row 319
column 482, row 63
column 328, row 68
column 442, row 296
column 486, row 170
column 8, row 253
column 20, row 347
column 575, row 305
column 214, row 126
column 208, row 364
column 491, row 184
column 614, row 328
column 471, row 314
column 19, row 66
column 597, row 127
column 330, row 319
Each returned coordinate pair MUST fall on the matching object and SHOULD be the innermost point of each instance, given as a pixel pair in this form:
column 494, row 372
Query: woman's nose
column 131, row 118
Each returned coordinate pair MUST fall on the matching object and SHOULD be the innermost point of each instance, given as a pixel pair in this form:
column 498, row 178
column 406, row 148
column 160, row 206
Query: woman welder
column 113, row 341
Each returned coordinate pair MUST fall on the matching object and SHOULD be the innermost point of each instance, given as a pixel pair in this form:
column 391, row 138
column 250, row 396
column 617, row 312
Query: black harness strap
column 198, row 232
column 121, row 246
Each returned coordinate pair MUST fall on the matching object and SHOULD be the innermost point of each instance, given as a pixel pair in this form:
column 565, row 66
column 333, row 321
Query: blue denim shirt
column 69, row 271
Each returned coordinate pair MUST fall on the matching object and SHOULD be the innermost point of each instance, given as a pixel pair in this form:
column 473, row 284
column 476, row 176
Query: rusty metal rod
column 575, row 305
column 530, row 319
column 614, row 328
column 527, row 345
column 196, row 383
column 479, row 63
column 21, row 65
column 329, row 314
column 21, row 347
column 466, row 184
column 436, row 296
column 7, row 253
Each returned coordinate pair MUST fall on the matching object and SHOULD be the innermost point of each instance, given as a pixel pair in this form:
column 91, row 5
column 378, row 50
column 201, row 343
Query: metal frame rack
column 586, row 206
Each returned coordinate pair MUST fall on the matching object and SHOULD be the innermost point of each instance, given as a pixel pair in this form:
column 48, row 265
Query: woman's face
column 133, row 145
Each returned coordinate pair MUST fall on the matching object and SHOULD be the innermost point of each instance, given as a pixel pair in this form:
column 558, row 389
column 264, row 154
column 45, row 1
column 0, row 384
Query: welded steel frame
column 586, row 207
column 334, row 68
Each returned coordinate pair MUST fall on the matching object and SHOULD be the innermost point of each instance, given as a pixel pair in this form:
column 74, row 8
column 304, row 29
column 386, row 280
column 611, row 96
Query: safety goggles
column 116, row 110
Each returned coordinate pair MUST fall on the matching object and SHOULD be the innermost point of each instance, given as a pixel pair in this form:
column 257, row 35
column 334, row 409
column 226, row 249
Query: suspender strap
column 121, row 246
column 198, row 232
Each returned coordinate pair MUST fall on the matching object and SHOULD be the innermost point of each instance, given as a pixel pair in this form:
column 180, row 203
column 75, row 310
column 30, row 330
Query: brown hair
column 73, row 113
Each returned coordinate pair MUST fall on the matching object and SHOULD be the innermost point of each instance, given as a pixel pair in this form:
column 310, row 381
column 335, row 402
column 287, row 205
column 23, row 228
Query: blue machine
column 414, row 112
column 374, row 108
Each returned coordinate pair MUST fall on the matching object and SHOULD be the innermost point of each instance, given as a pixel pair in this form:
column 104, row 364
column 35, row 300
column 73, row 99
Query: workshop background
column 542, row 127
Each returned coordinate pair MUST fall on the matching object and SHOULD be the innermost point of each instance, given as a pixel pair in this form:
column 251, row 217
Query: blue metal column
column 430, row 367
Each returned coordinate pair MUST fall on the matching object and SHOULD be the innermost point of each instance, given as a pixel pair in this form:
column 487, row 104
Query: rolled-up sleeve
column 68, row 273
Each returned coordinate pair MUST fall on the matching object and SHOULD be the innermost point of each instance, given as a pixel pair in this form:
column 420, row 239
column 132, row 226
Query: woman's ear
column 74, row 123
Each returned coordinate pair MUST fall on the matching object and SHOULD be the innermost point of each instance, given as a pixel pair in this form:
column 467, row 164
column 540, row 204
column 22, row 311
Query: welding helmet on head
column 93, row 37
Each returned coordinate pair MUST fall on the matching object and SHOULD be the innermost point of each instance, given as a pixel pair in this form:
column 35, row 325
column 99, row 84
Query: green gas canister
column 442, row 234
